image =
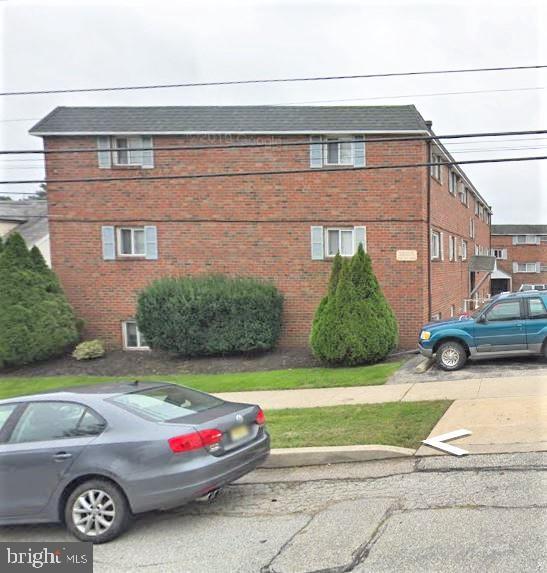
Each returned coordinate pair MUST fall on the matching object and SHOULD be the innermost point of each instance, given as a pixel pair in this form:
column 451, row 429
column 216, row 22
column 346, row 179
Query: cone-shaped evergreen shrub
column 208, row 315
column 355, row 324
column 36, row 323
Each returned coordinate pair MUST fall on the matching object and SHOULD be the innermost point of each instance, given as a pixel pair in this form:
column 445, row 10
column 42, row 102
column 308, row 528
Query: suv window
column 504, row 311
column 166, row 403
column 42, row 421
column 536, row 308
column 6, row 411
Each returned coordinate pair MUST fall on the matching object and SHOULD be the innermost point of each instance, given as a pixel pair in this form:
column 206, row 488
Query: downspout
column 429, row 277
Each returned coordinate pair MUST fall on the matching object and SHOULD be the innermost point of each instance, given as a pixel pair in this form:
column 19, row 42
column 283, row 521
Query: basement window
column 132, row 336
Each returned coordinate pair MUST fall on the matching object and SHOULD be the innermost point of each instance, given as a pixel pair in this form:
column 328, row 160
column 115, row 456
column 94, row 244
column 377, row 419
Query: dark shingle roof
column 32, row 216
column 229, row 119
column 519, row 229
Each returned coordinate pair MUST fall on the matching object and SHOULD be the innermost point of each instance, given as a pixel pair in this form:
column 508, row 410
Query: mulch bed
column 119, row 363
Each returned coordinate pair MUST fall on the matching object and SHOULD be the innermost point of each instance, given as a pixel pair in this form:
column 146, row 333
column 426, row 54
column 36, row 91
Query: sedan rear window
column 166, row 403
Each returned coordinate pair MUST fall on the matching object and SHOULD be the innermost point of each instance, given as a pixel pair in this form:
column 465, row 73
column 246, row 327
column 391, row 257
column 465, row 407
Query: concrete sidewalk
column 479, row 388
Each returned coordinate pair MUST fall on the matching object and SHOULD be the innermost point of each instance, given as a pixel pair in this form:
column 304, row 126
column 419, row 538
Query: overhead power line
column 368, row 140
column 271, row 80
column 272, row 172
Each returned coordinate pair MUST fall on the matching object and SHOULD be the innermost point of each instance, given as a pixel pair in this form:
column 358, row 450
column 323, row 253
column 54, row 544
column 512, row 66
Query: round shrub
column 88, row 350
column 208, row 315
column 354, row 323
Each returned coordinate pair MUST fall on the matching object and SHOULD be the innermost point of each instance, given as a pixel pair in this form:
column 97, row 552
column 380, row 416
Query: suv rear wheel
column 451, row 355
column 97, row 511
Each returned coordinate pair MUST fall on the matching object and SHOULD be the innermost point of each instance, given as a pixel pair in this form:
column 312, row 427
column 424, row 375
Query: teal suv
column 507, row 325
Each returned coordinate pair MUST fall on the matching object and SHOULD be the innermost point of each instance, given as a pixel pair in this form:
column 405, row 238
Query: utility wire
column 271, row 80
column 232, row 162
column 273, row 172
column 368, row 140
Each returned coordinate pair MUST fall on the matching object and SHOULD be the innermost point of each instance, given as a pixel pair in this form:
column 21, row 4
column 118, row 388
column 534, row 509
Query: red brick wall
column 450, row 279
column 257, row 225
column 521, row 254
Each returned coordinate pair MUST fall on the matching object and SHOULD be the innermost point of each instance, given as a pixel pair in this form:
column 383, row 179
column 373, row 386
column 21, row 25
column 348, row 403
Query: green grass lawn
column 402, row 424
column 230, row 382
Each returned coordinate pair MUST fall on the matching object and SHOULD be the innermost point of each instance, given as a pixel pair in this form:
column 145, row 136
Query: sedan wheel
column 97, row 511
column 93, row 513
column 451, row 355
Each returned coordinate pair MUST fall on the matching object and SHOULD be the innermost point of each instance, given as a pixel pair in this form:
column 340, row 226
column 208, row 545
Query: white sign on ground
column 438, row 442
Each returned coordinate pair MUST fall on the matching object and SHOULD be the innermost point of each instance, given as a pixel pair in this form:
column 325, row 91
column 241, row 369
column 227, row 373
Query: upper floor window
column 342, row 150
column 337, row 151
column 435, row 245
column 329, row 241
column 131, row 242
column 463, row 192
column 340, row 241
column 500, row 254
column 125, row 151
column 452, row 182
column 472, row 228
column 464, row 250
column 526, row 267
column 451, row 248
column 122, row 242
column 526, row 240
column 436, row 168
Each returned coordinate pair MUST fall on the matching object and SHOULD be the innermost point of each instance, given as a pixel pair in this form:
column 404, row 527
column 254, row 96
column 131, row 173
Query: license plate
column 239, row 432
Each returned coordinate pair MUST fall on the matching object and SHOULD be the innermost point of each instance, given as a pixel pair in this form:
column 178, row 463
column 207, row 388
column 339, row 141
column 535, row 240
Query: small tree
column 36, row 321
column 355, row 325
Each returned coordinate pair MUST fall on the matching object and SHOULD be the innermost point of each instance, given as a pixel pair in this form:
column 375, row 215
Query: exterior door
column 40, row 448
column 536, row 322
column 503, row 328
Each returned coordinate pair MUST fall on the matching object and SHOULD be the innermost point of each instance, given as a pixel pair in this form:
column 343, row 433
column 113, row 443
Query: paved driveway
column 499, row 368
column 481, row 513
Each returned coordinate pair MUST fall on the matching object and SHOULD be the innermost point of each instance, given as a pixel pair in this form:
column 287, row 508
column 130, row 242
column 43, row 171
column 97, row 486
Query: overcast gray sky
column 47, row 45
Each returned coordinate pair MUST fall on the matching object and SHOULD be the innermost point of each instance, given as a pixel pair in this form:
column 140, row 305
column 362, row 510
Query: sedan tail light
column 194, row 441
column 260, row 417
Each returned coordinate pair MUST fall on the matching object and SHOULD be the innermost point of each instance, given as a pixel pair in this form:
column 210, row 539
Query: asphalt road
column 478, row 513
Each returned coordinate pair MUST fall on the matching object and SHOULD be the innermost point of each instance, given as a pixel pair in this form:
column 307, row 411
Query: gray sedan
column 92, row 457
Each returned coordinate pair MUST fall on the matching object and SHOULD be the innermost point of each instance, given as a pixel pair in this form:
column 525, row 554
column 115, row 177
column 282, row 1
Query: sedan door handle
column 61, row 456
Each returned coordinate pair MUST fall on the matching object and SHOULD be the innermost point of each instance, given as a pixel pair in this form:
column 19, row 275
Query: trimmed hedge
column 208, row 315
column 89, row 350
column 36, row 321
column 354, row 323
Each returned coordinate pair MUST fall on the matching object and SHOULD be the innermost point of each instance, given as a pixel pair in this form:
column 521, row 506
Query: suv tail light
column 260, row 417
column 194, row 441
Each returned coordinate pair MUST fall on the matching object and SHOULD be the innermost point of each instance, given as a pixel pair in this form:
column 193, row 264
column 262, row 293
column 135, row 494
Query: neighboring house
column 521, row 253
column 29, row 218
column 421, row 226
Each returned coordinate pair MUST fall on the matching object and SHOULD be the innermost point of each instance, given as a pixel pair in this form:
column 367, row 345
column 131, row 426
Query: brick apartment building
column 109, row 239
column 521, row 253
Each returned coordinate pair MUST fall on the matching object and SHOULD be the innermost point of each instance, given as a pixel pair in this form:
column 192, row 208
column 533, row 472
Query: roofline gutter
column 39, row 133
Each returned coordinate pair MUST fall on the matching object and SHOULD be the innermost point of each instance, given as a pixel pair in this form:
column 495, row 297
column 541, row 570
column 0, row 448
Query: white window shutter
column 538, row 267
column 441, row 235
column 504, row 254
column 360, row 237
column 103, row 153
column 317, row 248
column 515, row 267
column 515, row 241
column 147, row 152
column 316, row 151
column 359, row 158
column 109, row 243
column 151, row 242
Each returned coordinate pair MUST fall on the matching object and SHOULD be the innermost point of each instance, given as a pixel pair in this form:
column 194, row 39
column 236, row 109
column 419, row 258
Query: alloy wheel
column 93, row 512
column 450, row 357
